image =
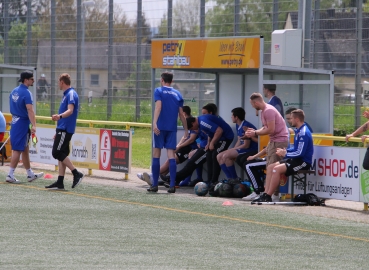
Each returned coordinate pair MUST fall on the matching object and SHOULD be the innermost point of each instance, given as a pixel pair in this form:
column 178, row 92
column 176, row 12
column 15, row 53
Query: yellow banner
column 223, row 53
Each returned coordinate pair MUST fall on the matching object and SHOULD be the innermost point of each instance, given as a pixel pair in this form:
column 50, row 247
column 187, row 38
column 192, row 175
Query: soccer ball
column 201, row 189
column 241, row 190
column 226, row 190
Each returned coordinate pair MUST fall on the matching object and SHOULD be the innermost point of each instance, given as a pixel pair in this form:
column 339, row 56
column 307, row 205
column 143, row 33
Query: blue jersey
column 18, row 99
column 171, row 102
column 69, row 123
column 209, row 123
column 202, row 139
column 2, row 122
column 302, row 145
column 194, row 143
column 277, row 103
column 241, row 133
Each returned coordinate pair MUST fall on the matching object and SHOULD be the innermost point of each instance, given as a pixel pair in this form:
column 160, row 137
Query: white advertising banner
column 42, row 152
column 337, row 173
column 84, row 148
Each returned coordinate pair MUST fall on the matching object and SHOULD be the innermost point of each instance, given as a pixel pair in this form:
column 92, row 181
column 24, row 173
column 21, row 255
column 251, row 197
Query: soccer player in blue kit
column 220, row 138
column 21, row 108
column 227, row 158
column 168, row 106
column 66, row 126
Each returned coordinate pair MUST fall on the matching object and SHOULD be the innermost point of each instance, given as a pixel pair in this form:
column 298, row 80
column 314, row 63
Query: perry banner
column 223, row 53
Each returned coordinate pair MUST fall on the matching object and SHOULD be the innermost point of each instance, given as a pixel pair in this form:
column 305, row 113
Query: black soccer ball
column 241, row 190
column 226, row 190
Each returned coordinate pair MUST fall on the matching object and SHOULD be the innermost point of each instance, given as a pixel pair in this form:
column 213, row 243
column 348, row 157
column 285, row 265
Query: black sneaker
column 153, row 189
column 259, row 198
column 266, row 198
column 172, row 190
column 77, row 179
column 56, row 186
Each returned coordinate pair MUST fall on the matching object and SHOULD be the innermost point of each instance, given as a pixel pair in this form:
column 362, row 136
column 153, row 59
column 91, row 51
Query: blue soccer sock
column 155, row 168
column 172, row 171
column 226, row 171
column 232, row 172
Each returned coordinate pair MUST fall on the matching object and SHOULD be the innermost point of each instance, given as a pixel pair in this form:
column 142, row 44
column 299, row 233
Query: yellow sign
column 224, row 53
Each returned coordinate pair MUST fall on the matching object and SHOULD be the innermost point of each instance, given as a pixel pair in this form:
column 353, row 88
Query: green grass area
column 104, row 227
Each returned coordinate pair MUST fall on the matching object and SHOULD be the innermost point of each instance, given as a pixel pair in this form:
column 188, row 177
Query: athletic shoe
column 12, row 180
column 35, row 176
column 275, row 198
column 259, row 198
column 265, row 198
column 56, row 186
column 164, row 177
column 153, row 189
column 251, row 197
column 147, row 178
column 171, row 190
column 167, row 185
column 184, row 183
column 140, row 176
column 77, row 179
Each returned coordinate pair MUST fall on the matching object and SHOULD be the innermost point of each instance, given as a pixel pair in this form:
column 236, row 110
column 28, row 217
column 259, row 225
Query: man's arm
column 32, row 117
column 190, row 140
column 360, row 130
column 218, row 133
column 157, row 111
column 183, row 120
column 65, row 114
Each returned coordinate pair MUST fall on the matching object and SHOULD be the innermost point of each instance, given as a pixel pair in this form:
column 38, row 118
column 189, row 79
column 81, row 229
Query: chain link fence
column 105, row 47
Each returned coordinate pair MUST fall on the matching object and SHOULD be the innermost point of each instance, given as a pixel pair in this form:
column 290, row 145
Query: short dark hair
column 239, row 112
column 211, row 108
column 190, row 120
column 167, row 77
column 290, row 109
column 299, row 114
column 270, row 87
column 186, row 110
column 65, row 78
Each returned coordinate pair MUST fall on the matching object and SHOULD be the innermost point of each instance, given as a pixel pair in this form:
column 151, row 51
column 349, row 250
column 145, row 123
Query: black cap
column 25, row 75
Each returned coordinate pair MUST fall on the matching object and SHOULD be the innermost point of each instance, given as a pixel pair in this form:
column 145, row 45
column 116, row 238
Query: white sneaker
column 140, row 176
column 35, row 176
column 275, row 198
column 12, row 180
column 147, row 178
column 251, row 197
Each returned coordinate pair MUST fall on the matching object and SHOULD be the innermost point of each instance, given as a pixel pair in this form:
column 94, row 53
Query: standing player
column 66, row 126
column 21, row 108
column 168, row 105
column 227, row 158
column 269, row 93
column 274, row 126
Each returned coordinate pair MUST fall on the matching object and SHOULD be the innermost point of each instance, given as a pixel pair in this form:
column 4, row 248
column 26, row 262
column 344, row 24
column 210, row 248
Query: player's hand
column 364, row 137
column 281, row 152
column 348, row 136
column 250, row 132
column 55, row 117
column 366, row 114
column 156, row 130
column 251, row 157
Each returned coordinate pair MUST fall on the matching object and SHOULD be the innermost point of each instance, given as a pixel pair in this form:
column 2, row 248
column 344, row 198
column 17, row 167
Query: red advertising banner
column 115, row 150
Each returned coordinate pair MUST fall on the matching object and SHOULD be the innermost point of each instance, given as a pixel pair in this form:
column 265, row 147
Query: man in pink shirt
column 273, row 125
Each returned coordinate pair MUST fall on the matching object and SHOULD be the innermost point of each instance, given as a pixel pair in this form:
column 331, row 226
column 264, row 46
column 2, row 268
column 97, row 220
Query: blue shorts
column 243, row 150
column 166, row 139
column 19, row 133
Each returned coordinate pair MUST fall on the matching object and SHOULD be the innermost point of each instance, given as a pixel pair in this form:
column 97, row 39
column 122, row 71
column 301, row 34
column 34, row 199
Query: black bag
column 310, row 199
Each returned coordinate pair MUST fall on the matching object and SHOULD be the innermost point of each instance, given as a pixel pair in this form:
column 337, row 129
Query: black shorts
column 294, row 165
column 61, row 144
column 183, row 152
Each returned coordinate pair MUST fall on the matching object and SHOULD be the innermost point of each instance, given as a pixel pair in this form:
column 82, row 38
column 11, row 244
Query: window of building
column 94, row 79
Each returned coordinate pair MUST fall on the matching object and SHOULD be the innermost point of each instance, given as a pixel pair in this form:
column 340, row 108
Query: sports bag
column 310, row 199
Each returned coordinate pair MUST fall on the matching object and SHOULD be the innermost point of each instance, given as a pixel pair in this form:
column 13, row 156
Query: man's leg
column 172, row 167
column 275, row 171
column 155, row 166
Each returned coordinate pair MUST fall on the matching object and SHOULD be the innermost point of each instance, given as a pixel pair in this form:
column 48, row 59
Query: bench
column 300, row 176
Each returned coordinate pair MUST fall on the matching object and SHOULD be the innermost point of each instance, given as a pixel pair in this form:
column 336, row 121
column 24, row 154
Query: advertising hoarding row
column 91, row 148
